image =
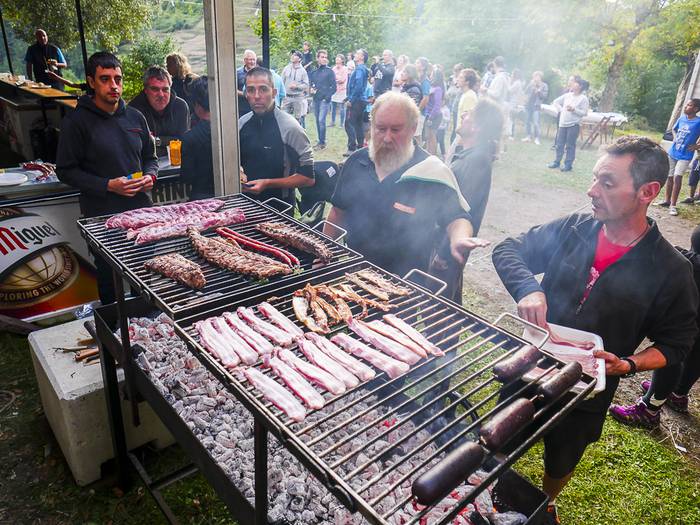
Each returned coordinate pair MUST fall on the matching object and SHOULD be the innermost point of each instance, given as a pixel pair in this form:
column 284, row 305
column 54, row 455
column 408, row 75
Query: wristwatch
column 633, row 367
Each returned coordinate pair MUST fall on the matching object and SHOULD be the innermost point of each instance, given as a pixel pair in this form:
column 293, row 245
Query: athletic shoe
column 663, row 204
column 673, row 211
column 637, row 415
column 567, row 168
column 674, row 401
column 551, row 516
column 553, row 165
column 537, row 141
column 526, row 139
column 688, row 200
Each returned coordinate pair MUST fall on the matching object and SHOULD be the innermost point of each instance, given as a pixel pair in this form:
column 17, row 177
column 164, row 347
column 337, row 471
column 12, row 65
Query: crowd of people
column 408, row 200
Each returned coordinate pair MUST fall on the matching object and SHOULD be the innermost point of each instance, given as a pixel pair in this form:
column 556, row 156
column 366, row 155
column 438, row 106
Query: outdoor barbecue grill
column 368, row 445
column 222, row 285
column 449, row 397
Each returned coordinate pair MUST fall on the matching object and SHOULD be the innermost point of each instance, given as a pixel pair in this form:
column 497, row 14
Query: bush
column 147, row 51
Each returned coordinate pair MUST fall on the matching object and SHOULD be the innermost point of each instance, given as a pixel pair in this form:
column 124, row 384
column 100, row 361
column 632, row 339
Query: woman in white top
column 573, row 106
column 341, row 82
column 397, row 84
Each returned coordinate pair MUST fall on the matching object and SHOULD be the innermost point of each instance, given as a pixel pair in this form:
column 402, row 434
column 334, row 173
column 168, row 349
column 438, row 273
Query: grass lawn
column 629, row 477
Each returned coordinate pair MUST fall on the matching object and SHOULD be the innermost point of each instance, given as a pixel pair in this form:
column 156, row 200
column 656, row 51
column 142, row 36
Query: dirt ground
column 513, row 208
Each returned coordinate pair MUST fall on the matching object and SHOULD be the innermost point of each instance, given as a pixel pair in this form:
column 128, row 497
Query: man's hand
column 533, row 308
column 693, row 147
column 461, row 246
column 125, row 187
column 149, row 181
column 244, row 177
column 256, row 187
column 614, row 366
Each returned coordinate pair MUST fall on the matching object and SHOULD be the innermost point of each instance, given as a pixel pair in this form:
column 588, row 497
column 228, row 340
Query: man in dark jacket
column 105, row 149
column 197, row 160
column 611, row 273
column 479, row 134
column 323, row 87
column 168, row 116
column 356, row 103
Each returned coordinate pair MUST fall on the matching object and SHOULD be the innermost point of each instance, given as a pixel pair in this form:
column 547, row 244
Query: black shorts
column 565, row 444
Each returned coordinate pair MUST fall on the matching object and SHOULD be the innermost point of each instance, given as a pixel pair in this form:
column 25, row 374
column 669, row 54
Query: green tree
column 363, row 23
column 145, row 52
column 107, row 22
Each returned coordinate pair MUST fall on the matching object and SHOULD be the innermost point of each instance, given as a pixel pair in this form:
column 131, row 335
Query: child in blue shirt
column 686, row 133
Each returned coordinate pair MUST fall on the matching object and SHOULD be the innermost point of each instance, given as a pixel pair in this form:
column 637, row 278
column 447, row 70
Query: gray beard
column 388, row 161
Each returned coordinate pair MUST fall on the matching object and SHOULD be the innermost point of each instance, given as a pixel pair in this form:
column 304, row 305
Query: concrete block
column 72, row 395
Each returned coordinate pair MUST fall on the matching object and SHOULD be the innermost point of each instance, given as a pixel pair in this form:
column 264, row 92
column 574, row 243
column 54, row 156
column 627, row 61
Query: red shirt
column 606, row 253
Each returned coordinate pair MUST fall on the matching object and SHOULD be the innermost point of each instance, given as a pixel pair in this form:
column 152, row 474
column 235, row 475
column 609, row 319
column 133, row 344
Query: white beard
column 388, row 160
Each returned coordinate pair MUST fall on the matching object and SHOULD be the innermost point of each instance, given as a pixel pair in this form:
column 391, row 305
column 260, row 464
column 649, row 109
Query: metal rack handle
column 343, row 232
column 278, row 204
column 442, row 284
column 526, row 323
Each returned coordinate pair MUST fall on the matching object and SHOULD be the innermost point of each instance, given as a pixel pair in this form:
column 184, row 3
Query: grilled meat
column 134, row 219
column 179, row 226
column 178, row 268
column 384, row 284
column 232, row 257
column 296, row 239
column 367, row 286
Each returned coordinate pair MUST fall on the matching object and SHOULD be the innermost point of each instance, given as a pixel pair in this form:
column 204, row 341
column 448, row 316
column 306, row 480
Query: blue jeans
column 566, row 138
column 532, row 125
column 321, row 108
column 335, row 106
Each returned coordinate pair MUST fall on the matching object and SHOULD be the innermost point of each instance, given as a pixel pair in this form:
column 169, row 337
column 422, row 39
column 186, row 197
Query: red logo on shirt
column 404, row 208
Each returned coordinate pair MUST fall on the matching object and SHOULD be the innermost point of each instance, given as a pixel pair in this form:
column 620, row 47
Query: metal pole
column 7, row 46
column 81, row 30
column 265, row 5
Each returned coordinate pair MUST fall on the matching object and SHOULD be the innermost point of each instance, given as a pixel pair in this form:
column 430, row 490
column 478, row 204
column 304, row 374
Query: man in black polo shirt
column 42, row 58
column 168, row 116
column 611, row 273
column 395, row 200
column 276, row 154
column 106, row 151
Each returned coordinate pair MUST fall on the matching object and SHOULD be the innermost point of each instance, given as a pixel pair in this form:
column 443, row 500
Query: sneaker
column 553, row 165
column 688, row 200
column 637, row 415
column 673, row 211
column 537, row 141
column 567, row 168
column 678, row 403
column 526, row 139
column 663, row 204
column 551, row 516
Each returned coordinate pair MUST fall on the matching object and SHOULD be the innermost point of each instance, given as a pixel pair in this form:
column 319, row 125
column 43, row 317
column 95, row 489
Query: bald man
column 42, row 58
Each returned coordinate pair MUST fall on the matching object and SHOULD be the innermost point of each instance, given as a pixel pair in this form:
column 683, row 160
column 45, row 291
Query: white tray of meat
column 569, row 344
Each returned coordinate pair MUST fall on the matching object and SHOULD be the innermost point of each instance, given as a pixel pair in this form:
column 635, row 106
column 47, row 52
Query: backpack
column 326, row 177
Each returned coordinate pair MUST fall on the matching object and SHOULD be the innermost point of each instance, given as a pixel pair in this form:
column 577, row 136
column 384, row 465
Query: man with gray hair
column 168, row 116
column 395, row 200
column 384, row 73
column 249, row 62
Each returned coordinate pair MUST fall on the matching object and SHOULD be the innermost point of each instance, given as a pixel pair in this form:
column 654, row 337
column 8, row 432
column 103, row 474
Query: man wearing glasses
column 276, row 154
column 167, row 115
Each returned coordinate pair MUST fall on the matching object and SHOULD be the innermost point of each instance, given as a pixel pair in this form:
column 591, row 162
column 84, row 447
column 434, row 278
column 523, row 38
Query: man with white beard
column 395, row 199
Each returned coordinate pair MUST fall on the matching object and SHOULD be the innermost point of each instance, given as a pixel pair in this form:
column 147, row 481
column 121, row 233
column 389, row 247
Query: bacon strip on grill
column 141, row 217
column 322, row 360
column 414, row 334
column 300, row 386
column 230, row 257
column 258, row 342
column 392, row 367
column 357, row 367
column 276, row 394
column 273, row 333
column 214, row 343
column 397, row 335
column 178, row 268
column 279, row 319
column 295, row 238
column 313, row 373
column 382, row 343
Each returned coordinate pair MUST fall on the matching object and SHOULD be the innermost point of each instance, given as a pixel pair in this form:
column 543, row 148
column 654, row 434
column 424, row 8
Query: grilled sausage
column 517, row 364
column 506, row 423
column 561, row 382
column 441, row 479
